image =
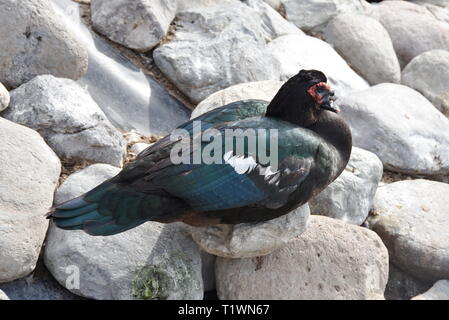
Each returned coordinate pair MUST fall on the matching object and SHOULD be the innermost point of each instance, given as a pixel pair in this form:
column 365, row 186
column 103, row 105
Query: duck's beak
column 327, row 101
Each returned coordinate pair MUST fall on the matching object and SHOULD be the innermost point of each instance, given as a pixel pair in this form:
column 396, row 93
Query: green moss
column 151, row 283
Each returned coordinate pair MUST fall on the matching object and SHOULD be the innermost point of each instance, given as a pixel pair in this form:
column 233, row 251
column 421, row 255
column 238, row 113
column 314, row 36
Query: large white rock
column 260, row 90
column 29, row 172
column 350, row 196
column 439, row 291
column 247, row 240
column 429, row 74
column 68, row 119
column 412, row 218
column 3, row 296
column 217, row 46
column 34, row 41
column 412, row 28
column 136, row 24
column 309, row 14
column 365, row 44
column 152, row 261
column 331, row 260
column 4, row 97
column 400, row 126
column 296, row 52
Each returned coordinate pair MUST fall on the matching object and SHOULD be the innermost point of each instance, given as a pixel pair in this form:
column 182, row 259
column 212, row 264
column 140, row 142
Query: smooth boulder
column 412, row 218
column 365, row 44
column 331, row 260
column 412, row 28
column 35, row 41
column 29, row 173
column 136, row 24
column 258, row 90
column 152, row 261
column 217, row 46
column 296, row 52
column 439, row 291
column 247, row 240
column 429, row 74
column 68, row 118
column 350, row 196
column 313, row 14
column 401, row 127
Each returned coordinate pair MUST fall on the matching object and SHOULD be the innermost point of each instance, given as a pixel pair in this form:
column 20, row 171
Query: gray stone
column 160, row 258
column 38, row 286
column 68, row 119
column 412, row 28
column 412, row 218
column 429, row 74
column 296, row 52
column 365, row 44
column 401, row 127
column 136, row 24
column 403, row 286
column 246, row 240
column 310, row 14
column 4, row 98
column 331, row 260
column 260, row 90
column 90, row 176
column 29, row 172
column 130, row 98
column 439, row 291
column 350, row 196
column 34, row 41
column 218, row 46
column 275, row 4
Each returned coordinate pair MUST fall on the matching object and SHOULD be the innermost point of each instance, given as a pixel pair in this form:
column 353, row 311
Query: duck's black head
column 302, row 99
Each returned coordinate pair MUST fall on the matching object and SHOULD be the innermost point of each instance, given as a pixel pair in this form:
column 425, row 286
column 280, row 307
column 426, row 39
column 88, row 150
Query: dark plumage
column 314, row 145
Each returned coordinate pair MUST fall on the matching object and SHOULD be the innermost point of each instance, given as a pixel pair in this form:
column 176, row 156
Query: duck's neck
column 334, row 130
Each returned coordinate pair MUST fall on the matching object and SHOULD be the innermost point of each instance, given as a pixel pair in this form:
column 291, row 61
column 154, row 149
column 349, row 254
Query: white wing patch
column 240, row 164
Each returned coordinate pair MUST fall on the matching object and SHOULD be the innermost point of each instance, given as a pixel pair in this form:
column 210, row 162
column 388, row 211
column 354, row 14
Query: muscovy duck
column 313, row 148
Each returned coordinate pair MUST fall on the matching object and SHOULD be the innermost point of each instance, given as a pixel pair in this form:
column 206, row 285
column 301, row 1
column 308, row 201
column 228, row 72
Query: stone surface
column 160, row 258
column 34, row 41
column 90, row 176
column 38, row 286
column 402, row 286
column 130, row 98
column 136, row 24
column 68, row 119
column 246, row 240
column 29, row 172
column 439, row 291
column 412, row 218
column 429, row 74
column 365, row 44
column 3, row 296
column 441, row 102
column 331, row 260
column 350, row 196
column 261, row 90
column 400, row 126
column 296, row 52
column 412, row 28
column 309, row 14
column 218, row 46
column 4, row 98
